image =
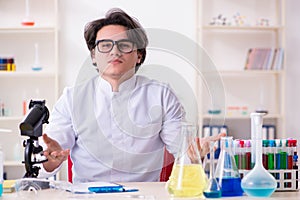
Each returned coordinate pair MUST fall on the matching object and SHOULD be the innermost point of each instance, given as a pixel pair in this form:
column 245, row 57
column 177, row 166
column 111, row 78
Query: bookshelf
column 226, row 30
column 24, row 83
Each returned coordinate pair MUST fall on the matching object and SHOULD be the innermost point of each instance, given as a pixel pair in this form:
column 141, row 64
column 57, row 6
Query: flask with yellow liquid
column 187, row 178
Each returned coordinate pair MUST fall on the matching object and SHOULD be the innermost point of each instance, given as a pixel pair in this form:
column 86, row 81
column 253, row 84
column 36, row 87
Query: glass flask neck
column 226, row 144
column 188, row 152
column 257, row 120
column 258, row 152
column 212, row 156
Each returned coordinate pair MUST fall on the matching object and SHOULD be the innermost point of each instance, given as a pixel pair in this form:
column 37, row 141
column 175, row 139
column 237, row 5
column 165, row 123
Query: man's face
column 115, row 64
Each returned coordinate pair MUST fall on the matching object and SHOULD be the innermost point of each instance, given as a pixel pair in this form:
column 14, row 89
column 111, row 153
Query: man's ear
column 93, row 56
column 139, row 58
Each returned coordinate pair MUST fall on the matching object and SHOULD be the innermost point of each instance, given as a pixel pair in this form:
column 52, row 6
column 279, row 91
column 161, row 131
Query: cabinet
column 227, row 30
column 23, row 84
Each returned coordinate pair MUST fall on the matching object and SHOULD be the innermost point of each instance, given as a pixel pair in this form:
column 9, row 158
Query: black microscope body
column 32, row 126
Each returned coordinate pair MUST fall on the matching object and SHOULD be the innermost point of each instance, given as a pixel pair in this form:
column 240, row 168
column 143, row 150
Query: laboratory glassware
column 27, row 21
column 258, row 182
column 227, row 172
column 187, row 177
column 213, row 189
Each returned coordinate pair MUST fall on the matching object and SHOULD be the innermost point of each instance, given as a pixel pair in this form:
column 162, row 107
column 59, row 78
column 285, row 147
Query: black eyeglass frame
column 115, row 43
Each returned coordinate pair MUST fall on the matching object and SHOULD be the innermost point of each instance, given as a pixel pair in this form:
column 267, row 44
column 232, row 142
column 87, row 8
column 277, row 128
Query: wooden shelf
column 13, row 163
column 13, row 118
column 247, row 72
column 241, row 28
column 31, row 74
column 269, row 116
column 23, row 29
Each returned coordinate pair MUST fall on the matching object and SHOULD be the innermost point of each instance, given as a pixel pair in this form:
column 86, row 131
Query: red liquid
column 289, row 166
column 248, row 160
column 27, row 23
column 265, row 161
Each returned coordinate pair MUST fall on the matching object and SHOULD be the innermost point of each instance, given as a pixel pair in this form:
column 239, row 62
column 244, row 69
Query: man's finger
column 46, row 139
column 218, row 137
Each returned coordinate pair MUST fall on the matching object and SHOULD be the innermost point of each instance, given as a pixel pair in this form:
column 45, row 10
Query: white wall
column 167, row 14
column 73, row 15
column 293, row 69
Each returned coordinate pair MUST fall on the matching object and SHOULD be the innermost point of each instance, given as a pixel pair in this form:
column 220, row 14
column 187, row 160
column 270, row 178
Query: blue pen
column 106, row 189
column 110, row 189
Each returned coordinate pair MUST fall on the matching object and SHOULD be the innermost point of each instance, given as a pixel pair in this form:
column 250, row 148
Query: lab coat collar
column 127, row 85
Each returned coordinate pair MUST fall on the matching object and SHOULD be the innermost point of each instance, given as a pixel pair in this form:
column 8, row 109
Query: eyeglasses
column 105, row 46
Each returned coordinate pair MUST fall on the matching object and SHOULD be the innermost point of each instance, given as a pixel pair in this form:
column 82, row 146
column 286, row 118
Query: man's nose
column 115, row 50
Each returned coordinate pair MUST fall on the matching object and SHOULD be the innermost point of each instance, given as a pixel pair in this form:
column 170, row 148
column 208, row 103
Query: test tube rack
column 284, row 170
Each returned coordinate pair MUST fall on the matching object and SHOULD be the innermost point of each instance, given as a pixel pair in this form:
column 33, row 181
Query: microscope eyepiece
column 38, row 114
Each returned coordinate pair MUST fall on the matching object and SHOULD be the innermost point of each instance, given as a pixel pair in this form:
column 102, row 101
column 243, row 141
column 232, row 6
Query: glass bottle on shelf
column 187, row 177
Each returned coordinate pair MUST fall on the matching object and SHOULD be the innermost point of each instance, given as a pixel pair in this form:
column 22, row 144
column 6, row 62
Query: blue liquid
column 278, row 160
column 259, row 192
column 1, row 189
column 231, row 187
column 212, row 194
column 36, row 68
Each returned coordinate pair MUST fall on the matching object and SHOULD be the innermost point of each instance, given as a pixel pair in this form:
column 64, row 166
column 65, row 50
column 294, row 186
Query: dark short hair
column 116, row 16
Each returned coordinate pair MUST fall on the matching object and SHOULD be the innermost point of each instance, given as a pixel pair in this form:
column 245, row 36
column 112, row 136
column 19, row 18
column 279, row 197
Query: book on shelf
column 264, row 59
column 9, row 186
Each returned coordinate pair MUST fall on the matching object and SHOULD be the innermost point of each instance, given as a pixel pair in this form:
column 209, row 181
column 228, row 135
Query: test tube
column 236, row 153
column 265, row 154
column 277, row 158
column 283, row 154
column 271, row 156
column 295, row 161
column 242, row 158
column 289, row 160
column 278, row 151
column 248, row 154
column 284, row 158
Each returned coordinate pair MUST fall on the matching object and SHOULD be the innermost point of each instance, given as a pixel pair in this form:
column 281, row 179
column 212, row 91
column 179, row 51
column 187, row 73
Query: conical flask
column 227, row 172
column 187, row 178
column 213, row 189
column 258, row 182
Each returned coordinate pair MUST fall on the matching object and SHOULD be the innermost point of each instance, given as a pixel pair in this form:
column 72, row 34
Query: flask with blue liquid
column 227, row 173
column 258, row 182
column 213, row 189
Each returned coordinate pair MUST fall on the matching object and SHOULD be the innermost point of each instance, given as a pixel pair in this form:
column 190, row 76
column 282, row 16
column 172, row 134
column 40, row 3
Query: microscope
column 32, row 126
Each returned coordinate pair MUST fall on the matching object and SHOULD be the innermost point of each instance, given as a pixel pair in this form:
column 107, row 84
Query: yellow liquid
column 187, row 181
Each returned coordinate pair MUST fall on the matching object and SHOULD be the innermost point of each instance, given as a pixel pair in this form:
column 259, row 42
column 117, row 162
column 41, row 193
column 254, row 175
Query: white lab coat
column 116, row 136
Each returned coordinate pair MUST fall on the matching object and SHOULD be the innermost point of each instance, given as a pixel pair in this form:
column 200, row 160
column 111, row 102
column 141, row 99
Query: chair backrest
column 167, row 167
column 164, row 175
column 70, row 174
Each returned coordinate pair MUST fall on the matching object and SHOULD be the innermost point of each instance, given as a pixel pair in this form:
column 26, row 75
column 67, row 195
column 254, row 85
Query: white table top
column 149, row 191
